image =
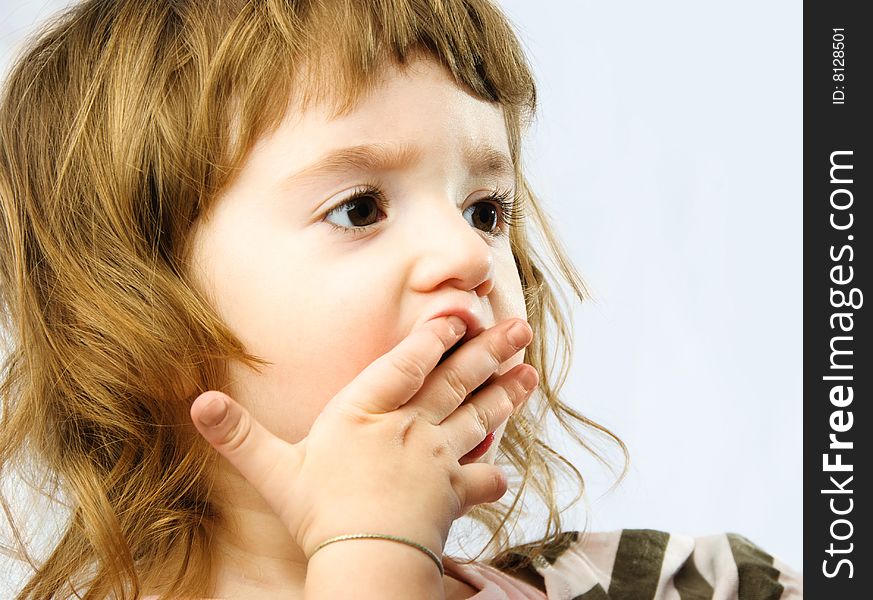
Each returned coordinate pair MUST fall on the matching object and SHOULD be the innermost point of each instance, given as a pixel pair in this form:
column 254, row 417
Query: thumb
column 239, row 438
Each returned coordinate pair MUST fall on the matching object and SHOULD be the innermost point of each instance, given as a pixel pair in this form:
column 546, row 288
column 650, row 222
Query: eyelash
column 511, row 210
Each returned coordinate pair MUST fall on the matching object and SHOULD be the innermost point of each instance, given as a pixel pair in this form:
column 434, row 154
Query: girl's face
column 321, row 286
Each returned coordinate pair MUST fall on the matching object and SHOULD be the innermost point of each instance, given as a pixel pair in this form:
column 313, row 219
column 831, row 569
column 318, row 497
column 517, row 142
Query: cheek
column 507, row 299
column 307, row 371
column 318, row 339
column 491, row 455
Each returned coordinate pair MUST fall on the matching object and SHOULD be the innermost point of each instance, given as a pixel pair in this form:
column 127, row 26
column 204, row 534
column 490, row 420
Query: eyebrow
column 481, row 160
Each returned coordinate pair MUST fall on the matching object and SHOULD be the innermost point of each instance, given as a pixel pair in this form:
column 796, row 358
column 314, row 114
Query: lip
column 474, row 327
column 474, row 323
column 480, row 450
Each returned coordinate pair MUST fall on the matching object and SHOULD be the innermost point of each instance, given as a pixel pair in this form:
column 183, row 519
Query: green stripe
column 595, row 593
column 558, row 544
column 638, row 561
column 690, row 583
column 759, row 579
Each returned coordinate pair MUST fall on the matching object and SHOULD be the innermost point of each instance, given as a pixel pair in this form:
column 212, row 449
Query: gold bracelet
column 379, row 536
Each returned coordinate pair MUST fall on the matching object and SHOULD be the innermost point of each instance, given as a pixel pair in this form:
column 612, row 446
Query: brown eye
column 362, row 211
column 484, row 216
column 497, row 213
column 358, row 212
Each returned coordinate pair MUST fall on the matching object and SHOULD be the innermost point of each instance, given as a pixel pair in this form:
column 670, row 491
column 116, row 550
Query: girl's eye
column 498, row 212
column 494, row 214
column 360, row 212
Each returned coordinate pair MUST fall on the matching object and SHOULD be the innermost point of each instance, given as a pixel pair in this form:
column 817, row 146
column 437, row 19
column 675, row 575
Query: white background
column 667, row 150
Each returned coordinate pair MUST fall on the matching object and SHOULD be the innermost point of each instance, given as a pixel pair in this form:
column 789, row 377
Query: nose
column 449, row 251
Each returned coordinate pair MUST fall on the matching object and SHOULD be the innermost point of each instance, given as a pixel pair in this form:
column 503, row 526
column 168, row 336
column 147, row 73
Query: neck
column 253, row 554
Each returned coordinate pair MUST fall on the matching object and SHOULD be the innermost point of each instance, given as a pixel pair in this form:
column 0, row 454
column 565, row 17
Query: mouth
column 474, row 328
column 474, row 323
column 483, row 447
column 450, row 351
column 483, row 385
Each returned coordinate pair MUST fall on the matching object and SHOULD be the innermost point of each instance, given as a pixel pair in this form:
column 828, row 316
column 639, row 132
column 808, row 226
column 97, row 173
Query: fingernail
column 458, row 325
column 519, row 335
column 214, row 411
column 529, row 379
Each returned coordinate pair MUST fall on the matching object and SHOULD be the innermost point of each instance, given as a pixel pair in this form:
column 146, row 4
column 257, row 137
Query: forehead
column 407, row 110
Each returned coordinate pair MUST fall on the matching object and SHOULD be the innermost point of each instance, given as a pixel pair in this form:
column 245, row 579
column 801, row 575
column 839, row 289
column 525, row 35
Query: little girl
column 245, row 385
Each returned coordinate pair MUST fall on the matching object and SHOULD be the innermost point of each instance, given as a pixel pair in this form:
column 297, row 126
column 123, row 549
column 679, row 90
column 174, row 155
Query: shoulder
column 650, row 564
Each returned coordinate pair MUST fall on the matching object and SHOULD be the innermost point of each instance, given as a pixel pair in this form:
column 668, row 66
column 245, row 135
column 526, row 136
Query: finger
column 239, row 438
column 483, row 483
column 392, row 379
column 470, row 366
column 486, row 410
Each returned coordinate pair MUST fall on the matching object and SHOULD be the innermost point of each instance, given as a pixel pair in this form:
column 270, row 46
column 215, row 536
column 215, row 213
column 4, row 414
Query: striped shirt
column 643, row 564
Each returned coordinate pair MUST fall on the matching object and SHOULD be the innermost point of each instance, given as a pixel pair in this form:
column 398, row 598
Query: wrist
column 315, row 541
column 434, row 556
column 377, row 568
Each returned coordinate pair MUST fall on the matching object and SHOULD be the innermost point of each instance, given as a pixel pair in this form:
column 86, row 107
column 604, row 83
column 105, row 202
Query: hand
column 382, row 457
